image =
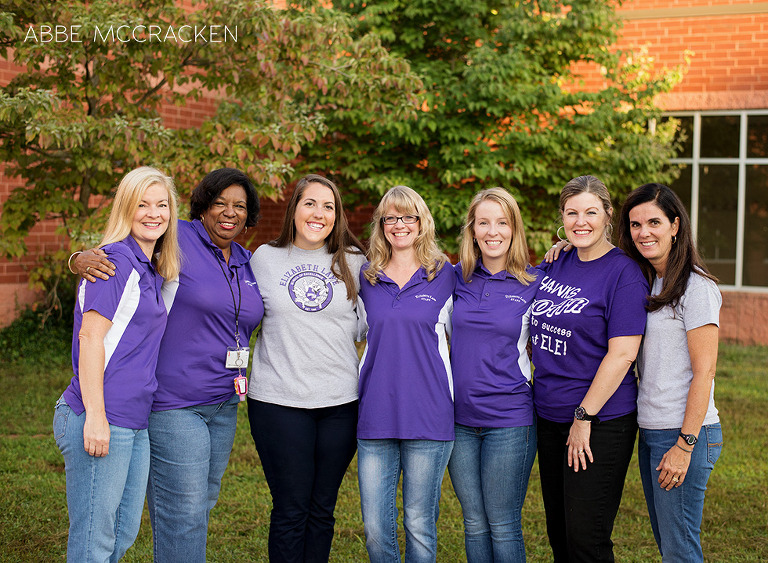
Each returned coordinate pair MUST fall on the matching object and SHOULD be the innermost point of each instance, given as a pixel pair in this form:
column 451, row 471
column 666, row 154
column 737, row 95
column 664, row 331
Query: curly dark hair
column 216, row 182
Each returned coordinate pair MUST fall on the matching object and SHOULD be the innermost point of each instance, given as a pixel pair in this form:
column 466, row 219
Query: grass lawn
column 33, row 514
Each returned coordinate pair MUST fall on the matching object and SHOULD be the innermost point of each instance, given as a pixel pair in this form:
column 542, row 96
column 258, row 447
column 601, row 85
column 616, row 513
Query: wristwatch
column 690, row 439
column 581, row 414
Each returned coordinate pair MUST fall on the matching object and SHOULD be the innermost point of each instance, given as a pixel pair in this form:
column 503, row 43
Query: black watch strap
column 581, row 414
column 690, row 439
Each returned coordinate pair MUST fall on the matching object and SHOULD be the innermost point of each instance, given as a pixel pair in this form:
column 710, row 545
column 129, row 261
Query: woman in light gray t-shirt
column 302, row 397
column 680, row 434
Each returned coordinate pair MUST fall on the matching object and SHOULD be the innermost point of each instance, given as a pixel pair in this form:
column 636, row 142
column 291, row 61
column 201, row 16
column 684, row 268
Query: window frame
column 742, row 161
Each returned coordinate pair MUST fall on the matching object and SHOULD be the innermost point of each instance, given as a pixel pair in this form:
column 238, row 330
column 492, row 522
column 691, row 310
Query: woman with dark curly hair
column 213, row 307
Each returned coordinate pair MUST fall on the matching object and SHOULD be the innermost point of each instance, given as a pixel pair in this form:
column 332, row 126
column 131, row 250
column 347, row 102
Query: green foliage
column 504, row 103
column 88, row 109
column 41, row 335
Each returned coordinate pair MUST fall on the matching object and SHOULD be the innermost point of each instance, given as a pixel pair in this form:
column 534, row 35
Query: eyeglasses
column 406, row 219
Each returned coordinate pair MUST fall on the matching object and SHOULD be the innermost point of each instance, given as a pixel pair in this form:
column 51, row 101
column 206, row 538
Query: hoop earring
column 674, row 239
column 245, row 232
column 609, row 231
column 558, row 234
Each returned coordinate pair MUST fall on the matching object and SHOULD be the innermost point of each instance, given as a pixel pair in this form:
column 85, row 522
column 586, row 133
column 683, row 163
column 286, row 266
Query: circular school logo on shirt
column 310, row 291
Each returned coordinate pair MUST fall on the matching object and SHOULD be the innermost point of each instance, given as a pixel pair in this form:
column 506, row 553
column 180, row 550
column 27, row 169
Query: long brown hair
column 339, row 242
column 683, row 259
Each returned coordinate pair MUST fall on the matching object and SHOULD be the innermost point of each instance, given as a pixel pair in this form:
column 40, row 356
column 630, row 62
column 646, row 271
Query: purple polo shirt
column 131, row 300
column 406, row 388
column 201, row 321
column 579, row 306
column 491, row 368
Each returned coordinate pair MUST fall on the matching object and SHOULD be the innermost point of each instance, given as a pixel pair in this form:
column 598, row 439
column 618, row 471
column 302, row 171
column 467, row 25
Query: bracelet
column 682, row 448
column 69, row 262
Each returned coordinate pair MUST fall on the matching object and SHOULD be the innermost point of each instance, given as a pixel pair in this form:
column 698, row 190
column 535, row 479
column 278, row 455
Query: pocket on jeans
column 60, row 415
column 714, row 433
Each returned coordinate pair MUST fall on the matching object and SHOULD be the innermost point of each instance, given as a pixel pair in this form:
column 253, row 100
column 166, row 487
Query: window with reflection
column 720, row 136
column 755, row 270
column 718, row 198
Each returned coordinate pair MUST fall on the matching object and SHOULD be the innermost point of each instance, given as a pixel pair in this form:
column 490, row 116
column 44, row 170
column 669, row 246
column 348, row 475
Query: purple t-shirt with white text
column 580, row 306
column 201, row 307
column 491, row 368
column 406, row 389
column 131, row 300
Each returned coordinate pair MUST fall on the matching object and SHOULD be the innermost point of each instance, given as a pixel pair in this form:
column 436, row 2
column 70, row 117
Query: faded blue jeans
column 105, row 495
column 189, row 452
column 379, row 464
column 489, row 469
column 676, row 514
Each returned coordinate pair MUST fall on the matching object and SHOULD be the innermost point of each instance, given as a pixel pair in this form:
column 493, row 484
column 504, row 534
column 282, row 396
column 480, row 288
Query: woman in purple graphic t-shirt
column 586, row 325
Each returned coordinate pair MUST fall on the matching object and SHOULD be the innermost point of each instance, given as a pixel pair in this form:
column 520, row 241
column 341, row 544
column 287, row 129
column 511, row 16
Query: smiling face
column 492, row 230
column 150, row 221
column 226, row 216
column 652, row 233
column 585, row 222
column 400, row 236
column 315, row 216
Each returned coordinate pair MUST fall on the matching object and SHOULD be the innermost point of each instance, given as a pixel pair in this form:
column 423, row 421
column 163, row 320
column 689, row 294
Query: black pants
column 305, row 454
column 581, row 507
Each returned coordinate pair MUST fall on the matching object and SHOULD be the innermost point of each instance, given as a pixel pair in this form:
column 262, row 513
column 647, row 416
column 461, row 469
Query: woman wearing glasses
column 406, row 393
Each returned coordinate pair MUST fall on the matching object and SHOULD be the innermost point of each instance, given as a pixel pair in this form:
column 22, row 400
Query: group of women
column 161, row 345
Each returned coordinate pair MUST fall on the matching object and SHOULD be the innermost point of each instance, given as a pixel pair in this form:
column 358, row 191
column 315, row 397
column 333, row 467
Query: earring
column 558, row 234
column 674, row 239
column 245, row 232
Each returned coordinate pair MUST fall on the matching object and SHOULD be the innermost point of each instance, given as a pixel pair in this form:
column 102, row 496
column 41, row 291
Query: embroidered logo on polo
column 424, row 297
column 310, row 291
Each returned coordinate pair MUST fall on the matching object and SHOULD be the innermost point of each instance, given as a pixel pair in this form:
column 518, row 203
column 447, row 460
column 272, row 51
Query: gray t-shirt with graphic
column 305, row 353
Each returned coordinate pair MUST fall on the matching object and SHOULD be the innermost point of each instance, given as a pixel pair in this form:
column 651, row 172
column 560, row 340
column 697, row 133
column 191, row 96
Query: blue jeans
column 305, row 454
column 489, row 469
column 105, row 495
column 189, row 452
column 676, row 514
column 423, row 463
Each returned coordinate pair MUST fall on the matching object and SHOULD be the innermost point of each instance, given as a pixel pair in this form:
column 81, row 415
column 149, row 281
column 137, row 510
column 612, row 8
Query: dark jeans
column 581, row 507
column 305, row 454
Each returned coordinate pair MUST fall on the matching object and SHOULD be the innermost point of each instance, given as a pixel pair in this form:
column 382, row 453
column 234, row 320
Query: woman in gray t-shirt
column 680, row 434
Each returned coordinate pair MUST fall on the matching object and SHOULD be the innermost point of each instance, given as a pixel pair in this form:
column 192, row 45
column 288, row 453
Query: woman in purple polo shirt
column 406, row 391
column 213, row 307
column 495, row 425
column 586, row 325
column 100, row 424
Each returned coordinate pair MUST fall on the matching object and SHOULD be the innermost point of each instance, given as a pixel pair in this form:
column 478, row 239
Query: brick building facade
column 722, row 103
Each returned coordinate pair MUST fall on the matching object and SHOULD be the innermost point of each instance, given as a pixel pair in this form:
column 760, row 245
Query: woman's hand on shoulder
column 92, row 264
column 554, row 252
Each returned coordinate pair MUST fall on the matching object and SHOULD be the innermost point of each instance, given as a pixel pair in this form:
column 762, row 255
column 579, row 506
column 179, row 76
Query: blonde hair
column 428, row 253
column 517, row 255
column 132, row 187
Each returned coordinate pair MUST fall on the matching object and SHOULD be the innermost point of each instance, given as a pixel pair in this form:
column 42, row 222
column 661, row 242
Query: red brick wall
column 728, row 70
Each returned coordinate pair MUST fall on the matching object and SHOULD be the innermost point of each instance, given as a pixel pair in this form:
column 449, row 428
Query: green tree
column 87, row 107
column 504, row 103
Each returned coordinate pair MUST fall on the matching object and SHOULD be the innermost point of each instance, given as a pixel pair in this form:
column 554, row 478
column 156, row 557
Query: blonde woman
column 495, row 422
column 100, row 424
column 405, row 419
